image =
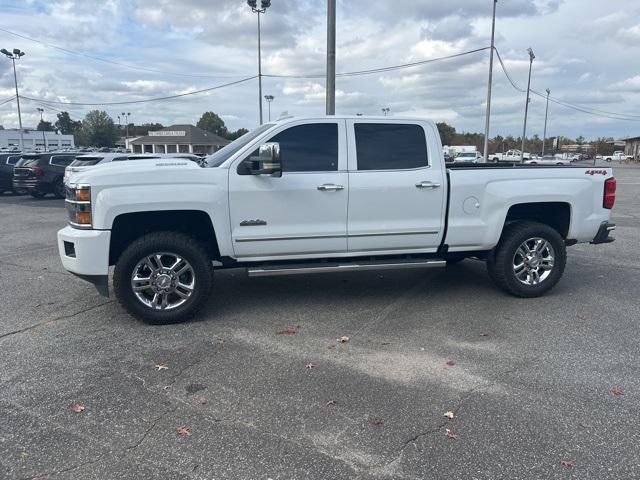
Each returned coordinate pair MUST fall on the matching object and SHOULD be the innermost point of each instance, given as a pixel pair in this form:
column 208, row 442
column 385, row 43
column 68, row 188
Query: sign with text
column 168, row 133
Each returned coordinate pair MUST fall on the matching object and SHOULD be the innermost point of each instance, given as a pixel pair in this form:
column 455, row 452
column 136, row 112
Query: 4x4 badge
column 252, row 223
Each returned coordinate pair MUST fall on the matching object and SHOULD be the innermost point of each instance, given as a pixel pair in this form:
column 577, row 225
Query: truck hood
column 142, row 172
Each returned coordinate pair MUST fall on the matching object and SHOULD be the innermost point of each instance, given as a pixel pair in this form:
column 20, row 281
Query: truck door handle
column 427, row 185
column 330, row 187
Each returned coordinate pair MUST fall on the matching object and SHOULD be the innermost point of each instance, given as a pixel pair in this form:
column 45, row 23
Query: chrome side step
column 276, row 270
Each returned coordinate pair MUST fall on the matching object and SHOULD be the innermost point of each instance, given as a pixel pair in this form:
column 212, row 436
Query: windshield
column 466, row 154
column 85, row 162
column 227, row 152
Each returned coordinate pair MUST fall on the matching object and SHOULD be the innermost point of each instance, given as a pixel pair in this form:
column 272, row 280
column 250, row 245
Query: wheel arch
column 128, row 227
column 557, row 215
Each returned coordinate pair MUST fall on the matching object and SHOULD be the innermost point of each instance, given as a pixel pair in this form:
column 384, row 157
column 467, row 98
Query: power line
column 112, row 62
column 169, row 97
column 383, row 69
column 588, row 110
column 7, row 100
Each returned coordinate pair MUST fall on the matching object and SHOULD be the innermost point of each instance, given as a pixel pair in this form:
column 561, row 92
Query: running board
column 276, row 270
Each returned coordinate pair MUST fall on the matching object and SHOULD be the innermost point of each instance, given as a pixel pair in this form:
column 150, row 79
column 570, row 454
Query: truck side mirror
column 267, row 162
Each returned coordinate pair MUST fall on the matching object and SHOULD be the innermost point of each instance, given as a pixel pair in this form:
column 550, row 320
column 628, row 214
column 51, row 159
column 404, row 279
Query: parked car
column 322, row 195
column 472, row 157
column 84, row 162
column 42, row 173
column 548, row 160
column 510, row 156
column 7, row 163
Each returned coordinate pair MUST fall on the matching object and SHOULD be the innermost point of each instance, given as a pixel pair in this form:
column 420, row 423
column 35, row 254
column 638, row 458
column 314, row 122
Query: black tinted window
column 85, row 162
column 309, row 148
column 30, row 161
column 390, row 146
column 13, row 160
column 60, row 160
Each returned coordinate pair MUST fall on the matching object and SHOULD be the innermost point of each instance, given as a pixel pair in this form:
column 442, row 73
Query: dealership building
column 33, row 139
column 178, row 139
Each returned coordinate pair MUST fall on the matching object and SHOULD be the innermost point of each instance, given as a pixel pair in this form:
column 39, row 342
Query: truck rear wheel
column 529, row 259
column 163, row 278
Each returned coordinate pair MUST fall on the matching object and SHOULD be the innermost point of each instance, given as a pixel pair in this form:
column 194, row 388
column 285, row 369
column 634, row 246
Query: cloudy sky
column 587, row 54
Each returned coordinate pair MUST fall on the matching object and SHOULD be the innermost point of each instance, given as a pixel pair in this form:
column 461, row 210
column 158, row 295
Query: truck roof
column 290, row 119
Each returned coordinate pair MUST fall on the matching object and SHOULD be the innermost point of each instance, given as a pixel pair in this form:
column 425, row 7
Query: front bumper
column 603, row 233
column 27, row 184
column 85, row 253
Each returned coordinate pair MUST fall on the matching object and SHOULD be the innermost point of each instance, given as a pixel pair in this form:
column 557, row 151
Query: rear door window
column 85, row 162
column 30, row 162
column 13, row 159
column 61, row 160
column 390, row 146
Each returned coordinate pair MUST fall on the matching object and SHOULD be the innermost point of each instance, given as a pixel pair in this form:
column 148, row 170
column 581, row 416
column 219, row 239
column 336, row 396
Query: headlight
column 78, row 203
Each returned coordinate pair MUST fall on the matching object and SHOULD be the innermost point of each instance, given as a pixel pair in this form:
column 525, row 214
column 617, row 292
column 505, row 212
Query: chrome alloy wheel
column 163, row 281
column 533, row 261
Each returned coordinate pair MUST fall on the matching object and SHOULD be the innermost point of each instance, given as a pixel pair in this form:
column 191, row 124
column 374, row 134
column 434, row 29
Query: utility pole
column 331, row 57
column 125, row 117
column 488, row 119
column 254, row 8
column 526, row 105
column 546, row 114
column 15, row 56
column 44, row 140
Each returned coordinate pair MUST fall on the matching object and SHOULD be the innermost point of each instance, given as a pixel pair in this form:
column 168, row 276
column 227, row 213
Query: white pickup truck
column 510, row 156
column 319, row 195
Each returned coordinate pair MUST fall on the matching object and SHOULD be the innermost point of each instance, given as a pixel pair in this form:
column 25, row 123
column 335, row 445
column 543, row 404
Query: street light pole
column 386, row 110
column 14, row 56
column 254, row 8
column 526, row 106
column 125, row 116
column 546, row 115
column 44, row 140
column 331, row 57
column 269, row 99
column 488, row 119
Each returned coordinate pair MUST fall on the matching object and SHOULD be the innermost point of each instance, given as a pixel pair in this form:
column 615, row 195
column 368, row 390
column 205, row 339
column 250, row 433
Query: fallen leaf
column 331, row 346
column 585, row 425
column 343, row 339
column 201, row 401
column 289, row 331
column 566, row 463
column 162, row 366
column 378, row 421
column 310, row 365
column 184, row 431
column 450, row 363
column 532, row 397
column 484, row 334
column 331, row 402
column 617, row 392
column 582, row 317
column 449, row 434
column 75, row 408
column 386, row 343
column 167, row 387
column 449, row 414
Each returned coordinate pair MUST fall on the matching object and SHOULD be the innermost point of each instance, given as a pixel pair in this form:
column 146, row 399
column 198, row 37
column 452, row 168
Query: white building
column 33, row 139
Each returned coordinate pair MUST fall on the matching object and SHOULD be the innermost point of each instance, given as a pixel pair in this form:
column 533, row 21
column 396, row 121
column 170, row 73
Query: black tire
column 59, row 189
column 18, row 191
column 37, row 193
column 501, row 265
column 190, row 250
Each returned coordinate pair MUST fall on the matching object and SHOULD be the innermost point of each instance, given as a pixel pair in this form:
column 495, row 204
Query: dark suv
column 42, row 173
column 7, row 162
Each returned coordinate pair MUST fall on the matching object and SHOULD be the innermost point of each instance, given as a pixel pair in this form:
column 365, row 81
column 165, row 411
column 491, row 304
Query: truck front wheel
column 163, row 277
column 529, row 259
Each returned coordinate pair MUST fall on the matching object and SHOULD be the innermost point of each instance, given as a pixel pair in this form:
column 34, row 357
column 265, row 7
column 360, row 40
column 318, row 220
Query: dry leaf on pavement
column 331, row 402
column 75, row 408
column 617, row 392
column 201, row 401
column 449, row 415
column 184, row 431
column 289, row 331
column 484, row 334
column 449, row 434
column 566, row 463
column 162, row 366
column 310, row 365
column 450, row 363
column 343, row 339
column 378, row 421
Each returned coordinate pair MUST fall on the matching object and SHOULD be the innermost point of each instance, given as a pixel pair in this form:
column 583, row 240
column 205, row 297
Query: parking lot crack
column 149, row 429
column 53, row 320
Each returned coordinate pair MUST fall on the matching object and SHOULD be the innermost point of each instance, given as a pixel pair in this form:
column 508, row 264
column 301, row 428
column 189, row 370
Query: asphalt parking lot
column 544, row 388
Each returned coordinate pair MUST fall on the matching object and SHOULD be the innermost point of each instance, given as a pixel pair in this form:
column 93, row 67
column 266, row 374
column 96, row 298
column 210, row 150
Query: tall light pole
column 269, row 99
column 125, row 117
column 526, row 105
column 15, row 56
column 385, row 111
column 254, row 8
column 546, row 115
column 488, row 119
column 331, row 57
column 44, row 140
